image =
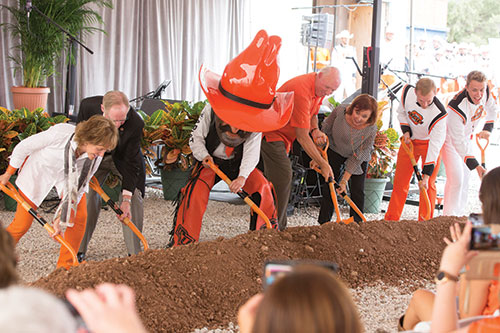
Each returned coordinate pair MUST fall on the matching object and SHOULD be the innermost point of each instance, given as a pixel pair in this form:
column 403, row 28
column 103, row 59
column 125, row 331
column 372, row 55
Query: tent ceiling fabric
column 146, row 43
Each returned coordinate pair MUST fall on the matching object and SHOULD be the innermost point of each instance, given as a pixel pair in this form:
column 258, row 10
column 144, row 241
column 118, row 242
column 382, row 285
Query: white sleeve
column 199, row 133
column 402, row 118
column 491, row 111
column 436, row 141
column 251, row 154
column 455, row 128
column 34, row 143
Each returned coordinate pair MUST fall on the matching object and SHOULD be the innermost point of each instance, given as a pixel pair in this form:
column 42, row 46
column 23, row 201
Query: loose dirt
column 203, row 284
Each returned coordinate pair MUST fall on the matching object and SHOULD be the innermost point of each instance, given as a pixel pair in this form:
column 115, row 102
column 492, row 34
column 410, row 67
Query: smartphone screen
column 483, row 239
column 276, row 269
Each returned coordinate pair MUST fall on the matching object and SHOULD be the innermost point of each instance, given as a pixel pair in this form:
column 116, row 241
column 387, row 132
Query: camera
column 485, row 265
column 483, row 239
column 274, row 269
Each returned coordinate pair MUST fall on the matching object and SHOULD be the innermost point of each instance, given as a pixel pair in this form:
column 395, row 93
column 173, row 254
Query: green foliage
column 41, row 43
column 333, row 102
column 385, row 146
column 485, row 14
column 17, row 125
column 171, row 129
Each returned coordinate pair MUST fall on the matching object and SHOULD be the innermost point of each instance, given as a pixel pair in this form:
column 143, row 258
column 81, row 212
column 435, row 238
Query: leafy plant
column 333, row 102
column 17, row 125
column 40, row 42
column 171, row 129
column 385, row 149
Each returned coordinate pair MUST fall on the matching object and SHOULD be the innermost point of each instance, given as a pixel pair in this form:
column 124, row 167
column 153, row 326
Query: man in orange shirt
column 309, row 91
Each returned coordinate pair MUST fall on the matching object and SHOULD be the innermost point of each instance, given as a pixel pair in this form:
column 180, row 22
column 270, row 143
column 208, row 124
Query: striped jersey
column 427, row 124
column 467, row 118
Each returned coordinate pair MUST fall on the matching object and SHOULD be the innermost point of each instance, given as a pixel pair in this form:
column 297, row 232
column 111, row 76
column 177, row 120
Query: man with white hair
column 34, row 310
column 125, row 161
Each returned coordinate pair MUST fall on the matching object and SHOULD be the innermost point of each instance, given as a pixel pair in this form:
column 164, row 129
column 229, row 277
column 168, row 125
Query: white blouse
column 43, row 158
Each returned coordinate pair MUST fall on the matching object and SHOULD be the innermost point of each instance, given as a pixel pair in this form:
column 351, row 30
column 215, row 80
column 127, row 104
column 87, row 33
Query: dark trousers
column 356, row 186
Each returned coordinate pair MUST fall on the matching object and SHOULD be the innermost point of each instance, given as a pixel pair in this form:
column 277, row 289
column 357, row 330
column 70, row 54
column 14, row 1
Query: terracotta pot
column 30, row 98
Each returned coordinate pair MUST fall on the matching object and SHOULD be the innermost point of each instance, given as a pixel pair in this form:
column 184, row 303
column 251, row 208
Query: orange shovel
column 242, row 194
column 482, row 148
column 94, row 184
column 12, row 192
column 424, row 197
column 333, row 193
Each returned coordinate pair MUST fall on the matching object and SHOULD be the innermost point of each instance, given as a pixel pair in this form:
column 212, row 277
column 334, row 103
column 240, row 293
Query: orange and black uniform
column 193, row 198
column 427, row 128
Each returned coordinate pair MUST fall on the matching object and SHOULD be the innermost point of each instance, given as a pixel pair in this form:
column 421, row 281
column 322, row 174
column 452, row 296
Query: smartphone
column 482, row 239
column 274, row 269
column 476, row 219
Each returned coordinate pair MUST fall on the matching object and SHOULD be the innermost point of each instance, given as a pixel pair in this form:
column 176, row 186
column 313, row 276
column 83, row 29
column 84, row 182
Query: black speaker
column 150, row 105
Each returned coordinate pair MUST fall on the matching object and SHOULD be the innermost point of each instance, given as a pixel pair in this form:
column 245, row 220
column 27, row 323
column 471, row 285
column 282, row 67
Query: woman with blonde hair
column 308, row 299
column 66, row 157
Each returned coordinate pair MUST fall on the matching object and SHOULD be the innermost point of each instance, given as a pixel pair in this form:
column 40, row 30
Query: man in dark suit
column 125, row 161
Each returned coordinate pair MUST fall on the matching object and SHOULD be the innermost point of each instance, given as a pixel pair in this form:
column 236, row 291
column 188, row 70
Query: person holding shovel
column 125, row 161
column 473, row 110
column 351, row 130
column 66, row 157
column 242, row 103
column 423, row 121
column 309, row 91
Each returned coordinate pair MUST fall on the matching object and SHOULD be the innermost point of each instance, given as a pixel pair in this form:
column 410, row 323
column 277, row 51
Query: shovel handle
column 353, row 205
column 12, row 192
column 94, row 184
column 482, row 149
column 242, row 194
column 333, row 193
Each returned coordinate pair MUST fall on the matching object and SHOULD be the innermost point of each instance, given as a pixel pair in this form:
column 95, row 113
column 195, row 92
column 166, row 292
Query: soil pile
column 203, row 284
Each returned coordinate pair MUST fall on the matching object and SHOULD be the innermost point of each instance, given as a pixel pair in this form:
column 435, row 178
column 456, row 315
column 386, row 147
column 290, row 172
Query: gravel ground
column 379, row 305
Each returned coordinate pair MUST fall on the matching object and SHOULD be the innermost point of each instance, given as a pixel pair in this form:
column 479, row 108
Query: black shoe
column 80, row 256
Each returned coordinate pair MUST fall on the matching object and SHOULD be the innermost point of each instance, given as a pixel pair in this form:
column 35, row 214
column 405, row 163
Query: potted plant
column 16, row 125
column 171, row 130
column 382, row 163
column 41, row 44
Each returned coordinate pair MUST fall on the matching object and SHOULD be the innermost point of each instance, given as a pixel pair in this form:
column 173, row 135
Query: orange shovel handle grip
column 12, row 192
column 482, row 149
column 94, row 184
column 245, row 198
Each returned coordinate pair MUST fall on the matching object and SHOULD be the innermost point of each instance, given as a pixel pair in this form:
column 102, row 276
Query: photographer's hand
column 108, row 308
column 247, row 313
column 457, row 253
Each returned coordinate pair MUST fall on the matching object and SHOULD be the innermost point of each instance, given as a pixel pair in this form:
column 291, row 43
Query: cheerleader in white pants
column 471, row 111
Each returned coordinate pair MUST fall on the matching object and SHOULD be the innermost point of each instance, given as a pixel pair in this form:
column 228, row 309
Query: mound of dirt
column 203, row 284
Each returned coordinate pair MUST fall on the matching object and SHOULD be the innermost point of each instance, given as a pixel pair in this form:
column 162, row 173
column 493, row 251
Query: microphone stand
column 391, row 92
column 72, row 40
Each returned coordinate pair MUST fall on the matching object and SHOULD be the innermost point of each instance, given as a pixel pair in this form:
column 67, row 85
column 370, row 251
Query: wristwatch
column 443, row 277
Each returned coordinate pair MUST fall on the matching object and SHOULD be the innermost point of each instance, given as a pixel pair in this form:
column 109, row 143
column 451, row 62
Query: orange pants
column 404, row 171
column 194, row 200
column 73, row 235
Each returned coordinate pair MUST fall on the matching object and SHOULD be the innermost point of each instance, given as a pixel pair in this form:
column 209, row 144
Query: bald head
column 327, row 81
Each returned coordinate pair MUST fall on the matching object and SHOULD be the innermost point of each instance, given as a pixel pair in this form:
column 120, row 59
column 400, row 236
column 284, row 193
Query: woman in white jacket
column 66, row 157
